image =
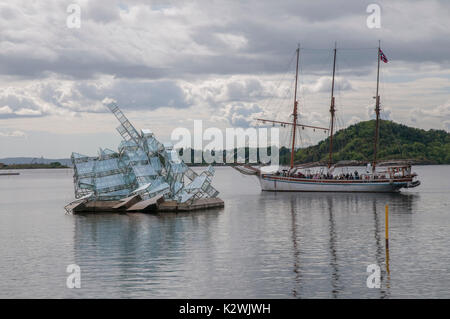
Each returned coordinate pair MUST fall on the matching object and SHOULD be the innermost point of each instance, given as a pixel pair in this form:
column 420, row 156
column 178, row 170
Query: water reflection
column 137, row 251
column 333, row 250
column 262, row 245
column 379, row 249
column 296, row 249
column 337, row 208
column 306, row 245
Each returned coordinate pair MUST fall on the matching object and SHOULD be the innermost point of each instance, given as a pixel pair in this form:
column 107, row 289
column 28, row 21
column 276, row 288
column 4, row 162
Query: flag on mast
column 383, row 57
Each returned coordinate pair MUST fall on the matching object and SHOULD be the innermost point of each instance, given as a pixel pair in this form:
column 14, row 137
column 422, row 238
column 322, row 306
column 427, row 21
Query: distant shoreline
column 48, row 166
column 55, row 165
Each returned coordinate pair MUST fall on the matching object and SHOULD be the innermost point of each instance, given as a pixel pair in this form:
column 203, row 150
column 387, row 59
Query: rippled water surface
column 261, row 245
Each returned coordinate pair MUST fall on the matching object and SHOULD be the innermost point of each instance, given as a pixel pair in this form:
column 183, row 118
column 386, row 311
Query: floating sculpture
column 142, row 166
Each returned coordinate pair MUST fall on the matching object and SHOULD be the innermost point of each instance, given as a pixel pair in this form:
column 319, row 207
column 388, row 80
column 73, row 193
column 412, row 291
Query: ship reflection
column 337, row 207
column 333, row 250
column 331, row 240
column 296, row 249
column 380, row 257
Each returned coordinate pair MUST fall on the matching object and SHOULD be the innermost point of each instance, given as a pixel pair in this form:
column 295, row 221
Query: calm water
column 261, row 245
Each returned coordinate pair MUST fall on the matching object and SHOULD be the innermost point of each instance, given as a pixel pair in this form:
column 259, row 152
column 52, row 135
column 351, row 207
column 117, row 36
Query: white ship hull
column 290, row 184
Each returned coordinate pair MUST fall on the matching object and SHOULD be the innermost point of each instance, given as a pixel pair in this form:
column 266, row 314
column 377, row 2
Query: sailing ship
column 321, row 177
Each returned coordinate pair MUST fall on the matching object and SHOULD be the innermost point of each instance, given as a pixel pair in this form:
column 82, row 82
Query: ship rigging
column 300, row 178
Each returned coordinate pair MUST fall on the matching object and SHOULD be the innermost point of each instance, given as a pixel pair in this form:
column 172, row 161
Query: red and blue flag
column 383, row 57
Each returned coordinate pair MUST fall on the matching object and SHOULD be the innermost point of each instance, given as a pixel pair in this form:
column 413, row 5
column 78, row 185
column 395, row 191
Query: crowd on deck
column 389, row 173
column 341, row 176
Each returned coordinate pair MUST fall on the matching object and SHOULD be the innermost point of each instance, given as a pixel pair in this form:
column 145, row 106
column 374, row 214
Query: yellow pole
column 387, row 225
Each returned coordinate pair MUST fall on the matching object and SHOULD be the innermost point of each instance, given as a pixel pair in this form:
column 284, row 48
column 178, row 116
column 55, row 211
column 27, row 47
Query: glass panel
column 144, row 170
column 114, row 175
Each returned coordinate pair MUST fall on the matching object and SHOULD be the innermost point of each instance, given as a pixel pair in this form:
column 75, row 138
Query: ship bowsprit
column 247, row 170
column 413, row 184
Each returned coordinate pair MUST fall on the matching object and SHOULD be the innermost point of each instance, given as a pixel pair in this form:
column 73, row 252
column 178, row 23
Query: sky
column 168, row 63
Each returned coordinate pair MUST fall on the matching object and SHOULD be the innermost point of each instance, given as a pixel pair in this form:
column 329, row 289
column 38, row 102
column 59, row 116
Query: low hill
column 32, row 166
column 397, row 141
column 34, row 160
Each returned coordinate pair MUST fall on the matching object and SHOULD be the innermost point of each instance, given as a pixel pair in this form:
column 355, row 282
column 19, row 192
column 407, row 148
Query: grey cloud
column 148, row 95
column 323, row 84
column 446, row 125
column 353, row 120
column 7, row 13
column 271, row 31
column 103, row 11
column 240, row 114
column 61, row 98
column 16, row 102
column 385, row 113
column 10, row 133
column 80, row 65
column 245, row 90
column 14, row 105
column 440, row 113
column 135, row 95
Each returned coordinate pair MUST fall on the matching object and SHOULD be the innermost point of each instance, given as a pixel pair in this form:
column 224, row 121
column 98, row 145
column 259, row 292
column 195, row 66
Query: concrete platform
column 75, row 206
column 203, row 203
column 147, row 205
column 97, row 207
column 128, row 202
column 134, row 204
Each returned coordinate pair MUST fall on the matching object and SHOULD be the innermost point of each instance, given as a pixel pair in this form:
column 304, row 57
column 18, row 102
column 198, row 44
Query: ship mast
column 377, row 112
column 294, row 123
column 332, row 110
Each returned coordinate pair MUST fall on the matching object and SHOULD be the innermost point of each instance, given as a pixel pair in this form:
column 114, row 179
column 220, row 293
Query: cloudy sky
column 167, row 63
